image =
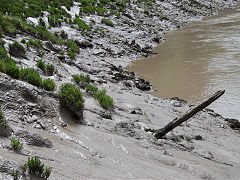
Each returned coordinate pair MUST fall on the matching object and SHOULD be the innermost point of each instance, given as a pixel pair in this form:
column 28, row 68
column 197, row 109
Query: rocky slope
column 114, row 143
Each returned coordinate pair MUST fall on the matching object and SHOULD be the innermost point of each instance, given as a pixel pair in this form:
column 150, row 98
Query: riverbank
column 114, row 144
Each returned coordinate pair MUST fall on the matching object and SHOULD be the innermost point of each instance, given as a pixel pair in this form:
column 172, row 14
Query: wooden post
column 176, row 122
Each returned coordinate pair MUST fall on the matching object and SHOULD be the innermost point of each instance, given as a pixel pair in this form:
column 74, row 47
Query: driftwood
column 176, row 122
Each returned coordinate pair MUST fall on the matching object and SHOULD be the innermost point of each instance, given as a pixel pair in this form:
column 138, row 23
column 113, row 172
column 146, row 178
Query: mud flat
column 114, row 144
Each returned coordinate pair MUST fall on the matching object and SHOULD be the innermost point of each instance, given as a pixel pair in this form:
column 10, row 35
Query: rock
column 52, row 47
column 84, row 44
column 233, row 123
column 106, row 115
column 61, row 57
column 142, row 84
column 34, row 139
column 64, row 35
column 157, row 39
column 198, row 137
column 177, row 102
column 167, row 153
column 7, row 166
column 17, row 51
column 137, row 110
column 5, row 131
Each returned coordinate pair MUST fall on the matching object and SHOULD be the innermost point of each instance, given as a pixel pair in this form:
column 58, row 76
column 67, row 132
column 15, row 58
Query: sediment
column 116, row 143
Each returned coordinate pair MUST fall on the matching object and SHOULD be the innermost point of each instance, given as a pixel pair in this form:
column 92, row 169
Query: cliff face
column 106, row 143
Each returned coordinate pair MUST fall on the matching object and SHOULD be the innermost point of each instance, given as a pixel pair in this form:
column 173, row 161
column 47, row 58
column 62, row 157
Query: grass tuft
column 16, row 145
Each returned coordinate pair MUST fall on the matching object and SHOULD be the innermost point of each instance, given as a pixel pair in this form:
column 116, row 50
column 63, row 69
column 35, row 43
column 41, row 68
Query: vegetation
column 36, row 43
column 16, row 145
column 73, row 48
column 41, row 65
column 104, row 100
column 81, row 24
column 10, row 68
column 71, row 97
column 15, row 174
column 31, row 76
column 108, row 22
column 48, row 84
column 81, row 78
column 11, row 25
column 3, row 122
column 35, row 167
column 49, row 68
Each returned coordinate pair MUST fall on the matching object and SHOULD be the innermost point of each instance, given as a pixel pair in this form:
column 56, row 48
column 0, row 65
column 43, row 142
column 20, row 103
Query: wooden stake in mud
column 176, row 122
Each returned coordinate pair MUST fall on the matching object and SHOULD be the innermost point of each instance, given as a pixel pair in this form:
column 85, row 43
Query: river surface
column 198, row 60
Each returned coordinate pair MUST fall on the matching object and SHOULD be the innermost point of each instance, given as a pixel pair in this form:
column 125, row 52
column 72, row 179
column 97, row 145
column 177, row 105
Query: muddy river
column 198, row 60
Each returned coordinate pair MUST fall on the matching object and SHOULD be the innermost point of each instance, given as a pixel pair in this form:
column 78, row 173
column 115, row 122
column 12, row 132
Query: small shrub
column 104, row 100
column 36, row 43
column 37, row 168
column 48, row 84
column 1, row 34
column 42, row 22
column 23, row 41
column 31, row 76
column 81, row 78
column 71, row 98
column 40, row 53
column 92, row 89
column 11, row 68
column 15, row 174
column 81, row 24
column 2, row 66
column 16, row 145
column 108, row 22
column 2, row 42
column 50, row 68
column 61, row 52
column 41, row 65
column 71, row 54
column 3, row 52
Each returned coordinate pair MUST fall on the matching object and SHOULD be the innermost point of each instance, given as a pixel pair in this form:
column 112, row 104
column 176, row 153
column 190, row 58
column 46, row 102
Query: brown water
column 198, row 60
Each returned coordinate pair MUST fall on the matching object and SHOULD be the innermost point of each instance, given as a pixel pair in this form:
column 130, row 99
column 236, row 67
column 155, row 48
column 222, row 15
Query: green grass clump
column 41, row 65
column 73, row 48
column 48, row 84
column 36, row 43
column 71, row 97
column 91, row 89
column 50, row 68
column 3, row 52
column 81, row 78
column 16, row 145
column 10, row 68
column 81, row 24
column 31, row 76
column 2, row 66
column 15, row 174
column 108, row 22
column 37, row 168
column 71, row 54
column 3, row 122
column 104, row 100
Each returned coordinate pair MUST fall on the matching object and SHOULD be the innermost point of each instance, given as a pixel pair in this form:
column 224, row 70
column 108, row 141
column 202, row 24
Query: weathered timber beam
column 176, row 122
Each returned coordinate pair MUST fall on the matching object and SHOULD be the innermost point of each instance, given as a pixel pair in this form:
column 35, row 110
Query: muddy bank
column 114, row 144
